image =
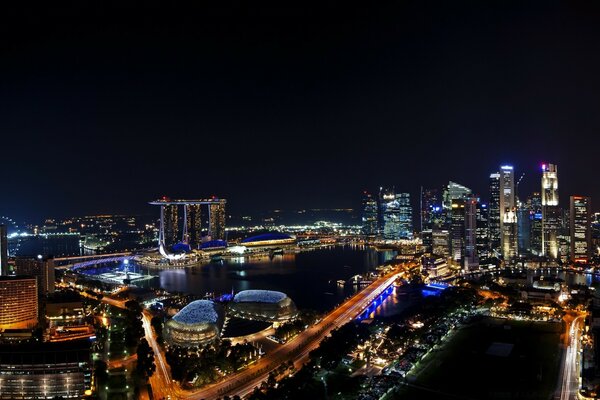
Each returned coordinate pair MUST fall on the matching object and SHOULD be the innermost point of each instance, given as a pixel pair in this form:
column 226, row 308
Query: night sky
column 103, row 108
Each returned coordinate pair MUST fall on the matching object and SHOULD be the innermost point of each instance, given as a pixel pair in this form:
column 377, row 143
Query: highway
column 296, row 350
column 569, row 381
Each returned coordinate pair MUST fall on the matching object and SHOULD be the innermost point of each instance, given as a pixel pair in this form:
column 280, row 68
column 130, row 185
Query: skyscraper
column 524, row 226
column 395, row 215
column 457, row 232
column 581, row 232
column 494, row 215
column 482, row 231
column 508, row 213
column 171, row 224
column 369, row 214
column 550, row 211
column 535, row 217
column 18, row 302
column 453, row 191
column 3, row 250
column 470, row 259
column 406, row 217
column 216, row 227
column 194, row 224
column 430, row 209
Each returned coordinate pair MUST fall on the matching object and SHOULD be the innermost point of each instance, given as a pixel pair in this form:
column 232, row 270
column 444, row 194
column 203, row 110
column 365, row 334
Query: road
column 244, row 382
column 569, row 380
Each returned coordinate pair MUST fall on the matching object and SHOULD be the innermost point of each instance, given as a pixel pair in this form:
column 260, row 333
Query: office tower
column 171, row 224
column 430, row 209
column 3, row 250
column 193, row 214
column 470, row 259
column 508, row 213
column 440, row 243
column 581, row 228
column 369, row 214
column 452, row 191
column 535, row 218
column 457, row 232
column 482, row 231
column 216, row 226
column 18, row 302
column 42, row 268
column 494, row 215
column 550, row 211
column 405, row 214
column 524, row 226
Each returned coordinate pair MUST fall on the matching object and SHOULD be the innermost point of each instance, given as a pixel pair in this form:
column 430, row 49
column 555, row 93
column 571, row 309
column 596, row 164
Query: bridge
column 76, row 262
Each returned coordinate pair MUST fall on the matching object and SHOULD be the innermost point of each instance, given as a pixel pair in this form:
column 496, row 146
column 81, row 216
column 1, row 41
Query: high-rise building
column 482, row 231
column 452, row 191
column 524, row 226
column 581, row 231
column 18, row 302
column 535, row 218
column 369, row 214
column 406, row 217
column 550, row 211
column 395, row 215
column 171, row 224
column 3, row 250
column 508, row 213
column 457, row 242
column 494, row 215
column 216, row 227
column 194, row 224
column 440, row 243
column 431, row 209
column 40, row 267
column 470, row 259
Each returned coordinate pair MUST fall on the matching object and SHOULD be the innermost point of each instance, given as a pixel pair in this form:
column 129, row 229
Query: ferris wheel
column 14, row 237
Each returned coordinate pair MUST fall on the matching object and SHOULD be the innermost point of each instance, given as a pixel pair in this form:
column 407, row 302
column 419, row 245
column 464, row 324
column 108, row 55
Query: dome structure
column 197, row 324
column 263, row 305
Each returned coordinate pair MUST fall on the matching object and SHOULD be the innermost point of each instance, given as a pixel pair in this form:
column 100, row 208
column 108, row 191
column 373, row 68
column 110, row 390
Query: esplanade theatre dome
column 263, row 305
column 196, row 324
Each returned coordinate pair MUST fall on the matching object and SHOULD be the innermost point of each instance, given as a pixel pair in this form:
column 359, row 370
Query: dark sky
column 105, row 107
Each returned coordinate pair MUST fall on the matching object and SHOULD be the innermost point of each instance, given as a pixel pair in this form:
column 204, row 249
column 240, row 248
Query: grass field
column 463, row 368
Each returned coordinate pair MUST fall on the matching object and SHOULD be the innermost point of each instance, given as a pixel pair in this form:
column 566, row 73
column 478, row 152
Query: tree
column 145, row 360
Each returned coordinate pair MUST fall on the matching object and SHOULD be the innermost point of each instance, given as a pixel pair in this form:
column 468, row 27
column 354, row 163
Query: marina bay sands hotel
column 184, row 221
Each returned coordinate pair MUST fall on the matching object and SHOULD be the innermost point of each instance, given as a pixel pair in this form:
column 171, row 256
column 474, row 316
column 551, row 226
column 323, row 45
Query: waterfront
column 309, row 277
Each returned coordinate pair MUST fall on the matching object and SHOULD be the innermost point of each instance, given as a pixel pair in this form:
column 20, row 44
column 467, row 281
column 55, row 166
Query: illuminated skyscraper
column 550, row 211
column 216, row 227
column 535, row 218
column 3, row 250
column 431, row 209
column 457, row 233
column 494, row 215
column 406, row 217
column 508, row 213
column 470, row 259
column 369, row 214
column 524, row 226
column 18, row 302
column 395, row 215
column 482, row 231
column 453, row 191
column 171, row 224
column 194, row 224
column 581, row 232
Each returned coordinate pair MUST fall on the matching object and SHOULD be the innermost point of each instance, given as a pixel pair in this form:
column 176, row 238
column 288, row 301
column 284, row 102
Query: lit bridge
column 86, row 261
